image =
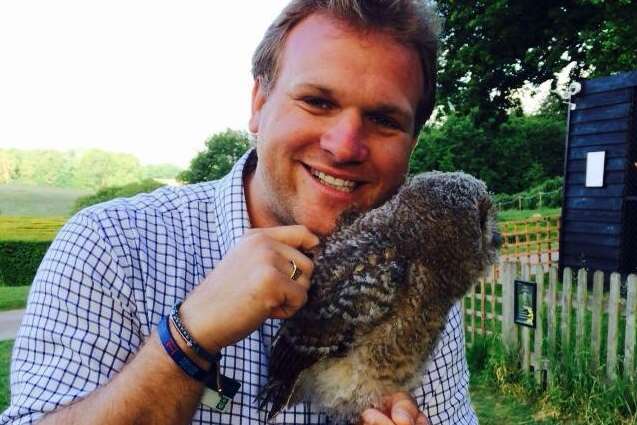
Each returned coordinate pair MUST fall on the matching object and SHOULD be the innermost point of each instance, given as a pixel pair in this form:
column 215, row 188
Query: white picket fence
column 559, row 303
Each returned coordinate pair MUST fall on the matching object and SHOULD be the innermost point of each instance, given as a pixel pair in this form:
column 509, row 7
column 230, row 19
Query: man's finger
column 404, row 410
column 422, row 420
column 375, row 417
column 297, row 236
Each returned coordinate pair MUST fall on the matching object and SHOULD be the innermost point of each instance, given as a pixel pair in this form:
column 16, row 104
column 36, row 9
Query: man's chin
column 324, row 224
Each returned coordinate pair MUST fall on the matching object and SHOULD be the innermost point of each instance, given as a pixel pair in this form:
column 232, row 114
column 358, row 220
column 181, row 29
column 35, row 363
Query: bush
column 19, row 260
column 113, row 192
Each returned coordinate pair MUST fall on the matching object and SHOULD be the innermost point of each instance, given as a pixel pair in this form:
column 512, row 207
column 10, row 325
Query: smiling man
column 136, row 299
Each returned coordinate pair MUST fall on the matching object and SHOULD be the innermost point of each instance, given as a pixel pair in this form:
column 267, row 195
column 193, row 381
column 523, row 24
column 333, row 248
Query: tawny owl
column 382, row 288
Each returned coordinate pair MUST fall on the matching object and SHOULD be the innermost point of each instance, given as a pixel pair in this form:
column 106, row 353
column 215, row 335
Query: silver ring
column 296, row 271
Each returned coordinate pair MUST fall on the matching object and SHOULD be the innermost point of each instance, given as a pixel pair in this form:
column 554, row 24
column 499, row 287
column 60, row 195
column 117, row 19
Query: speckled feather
column 382, row 287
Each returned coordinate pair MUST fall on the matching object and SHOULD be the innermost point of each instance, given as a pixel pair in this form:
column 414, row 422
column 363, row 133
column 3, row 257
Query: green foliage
column 222, row 151
column 23, row 243
column 522, row 152
column 19, row 260
column 36, row 229
column 577, row 395
column 579, row 391
column 98, row 169
column 91, row 169
column 160, row 171
column 5, row 361
column 13, row 297
column 37, row 201
column 548, row 193
column 113, row 192
column 491, row 48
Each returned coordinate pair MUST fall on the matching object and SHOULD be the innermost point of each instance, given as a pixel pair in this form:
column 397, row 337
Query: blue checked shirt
column 115, row 269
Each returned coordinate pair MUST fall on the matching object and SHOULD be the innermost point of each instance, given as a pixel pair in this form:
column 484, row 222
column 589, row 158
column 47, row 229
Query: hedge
column 19, row 260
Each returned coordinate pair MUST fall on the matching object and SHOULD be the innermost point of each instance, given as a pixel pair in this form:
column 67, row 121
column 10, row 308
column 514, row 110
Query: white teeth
column 335, row 182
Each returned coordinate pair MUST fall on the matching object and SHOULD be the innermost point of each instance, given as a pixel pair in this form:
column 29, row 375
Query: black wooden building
column 599, row 212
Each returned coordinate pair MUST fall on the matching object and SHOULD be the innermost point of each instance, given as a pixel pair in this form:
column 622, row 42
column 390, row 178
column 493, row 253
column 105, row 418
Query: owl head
column 448, row 219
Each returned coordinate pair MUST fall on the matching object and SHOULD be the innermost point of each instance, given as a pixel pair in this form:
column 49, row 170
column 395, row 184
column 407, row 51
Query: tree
column 97, row 169
column 490, row 48
column 222, row 151
column 160, row 171
column 521, row 153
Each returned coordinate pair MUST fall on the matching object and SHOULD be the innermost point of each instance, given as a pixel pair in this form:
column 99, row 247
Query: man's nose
column 345, row 138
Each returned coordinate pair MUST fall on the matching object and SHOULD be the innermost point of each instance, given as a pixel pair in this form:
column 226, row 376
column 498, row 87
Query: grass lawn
column 493, row 408
column 515, row 215
column 42, row 201
column 14, row 228
column 5, row 359
column 13, row 297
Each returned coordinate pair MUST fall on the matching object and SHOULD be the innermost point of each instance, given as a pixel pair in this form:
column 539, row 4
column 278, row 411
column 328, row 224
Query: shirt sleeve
column 79, row 328
column 444, row 393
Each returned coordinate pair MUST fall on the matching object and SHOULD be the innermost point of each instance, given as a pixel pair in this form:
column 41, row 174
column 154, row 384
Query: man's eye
column 385, row 121
column 318, row 102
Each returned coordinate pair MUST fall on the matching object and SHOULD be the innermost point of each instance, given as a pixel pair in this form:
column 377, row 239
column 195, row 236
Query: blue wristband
column 178, row 356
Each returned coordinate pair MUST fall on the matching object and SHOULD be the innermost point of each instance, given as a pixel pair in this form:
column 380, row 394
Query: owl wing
column 345, row 301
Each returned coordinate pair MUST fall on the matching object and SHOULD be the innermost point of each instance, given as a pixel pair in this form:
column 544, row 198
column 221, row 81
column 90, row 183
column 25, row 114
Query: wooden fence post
column 472, row 295
column 483, row 306
column 567, row 305
column 611, row 340
column 552, row 309
column 629, row 342
column 580, row 319
column 596, row 324
column 494, row 317
column 508, row 327
column 539, row 331
column 526, row 332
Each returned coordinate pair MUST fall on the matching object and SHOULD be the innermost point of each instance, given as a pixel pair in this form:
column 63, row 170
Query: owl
column 382, row 287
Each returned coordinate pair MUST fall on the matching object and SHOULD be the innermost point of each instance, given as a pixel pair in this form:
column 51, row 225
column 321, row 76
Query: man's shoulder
column 164, row 200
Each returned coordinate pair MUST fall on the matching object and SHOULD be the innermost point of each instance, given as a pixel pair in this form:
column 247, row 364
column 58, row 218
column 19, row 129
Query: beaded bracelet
column 188, row 339
column 179, row 357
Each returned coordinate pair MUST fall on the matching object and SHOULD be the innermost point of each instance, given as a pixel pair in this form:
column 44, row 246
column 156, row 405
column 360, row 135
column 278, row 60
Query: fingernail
column 405, row 417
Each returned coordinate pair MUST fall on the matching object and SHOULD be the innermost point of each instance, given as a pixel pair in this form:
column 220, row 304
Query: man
column 341, row 89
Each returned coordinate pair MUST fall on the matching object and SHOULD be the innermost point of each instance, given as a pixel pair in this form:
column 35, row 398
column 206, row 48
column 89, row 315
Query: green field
column 5, row 359
column 13, row 297
column 13, row 228
column 37, row 201
column 29, row 228
column 515, row 215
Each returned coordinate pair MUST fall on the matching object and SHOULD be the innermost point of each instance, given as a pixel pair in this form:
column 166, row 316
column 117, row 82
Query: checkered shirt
column 115, row 269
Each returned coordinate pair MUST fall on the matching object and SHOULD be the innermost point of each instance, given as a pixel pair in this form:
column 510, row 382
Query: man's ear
column 258, row 100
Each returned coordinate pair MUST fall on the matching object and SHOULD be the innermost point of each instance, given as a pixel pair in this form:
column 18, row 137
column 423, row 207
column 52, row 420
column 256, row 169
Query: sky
column 150, row 78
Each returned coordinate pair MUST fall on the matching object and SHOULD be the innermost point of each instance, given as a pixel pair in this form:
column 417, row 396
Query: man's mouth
column 334, row 182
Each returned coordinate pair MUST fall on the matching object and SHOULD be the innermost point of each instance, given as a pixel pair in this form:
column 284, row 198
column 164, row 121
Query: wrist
column 198, row 360
column 199, row 329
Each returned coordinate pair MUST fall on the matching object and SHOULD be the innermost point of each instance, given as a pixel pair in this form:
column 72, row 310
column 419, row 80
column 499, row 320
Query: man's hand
column 398, row 409
column 252, row 283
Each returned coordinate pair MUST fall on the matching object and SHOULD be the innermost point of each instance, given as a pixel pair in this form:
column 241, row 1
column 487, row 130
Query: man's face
column 336, row 130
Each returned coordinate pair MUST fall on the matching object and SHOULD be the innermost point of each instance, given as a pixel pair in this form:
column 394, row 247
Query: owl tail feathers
column 276, row 392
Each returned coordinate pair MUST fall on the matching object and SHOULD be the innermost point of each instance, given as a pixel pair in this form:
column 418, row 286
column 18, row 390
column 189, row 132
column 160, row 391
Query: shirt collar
column 230, row 204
